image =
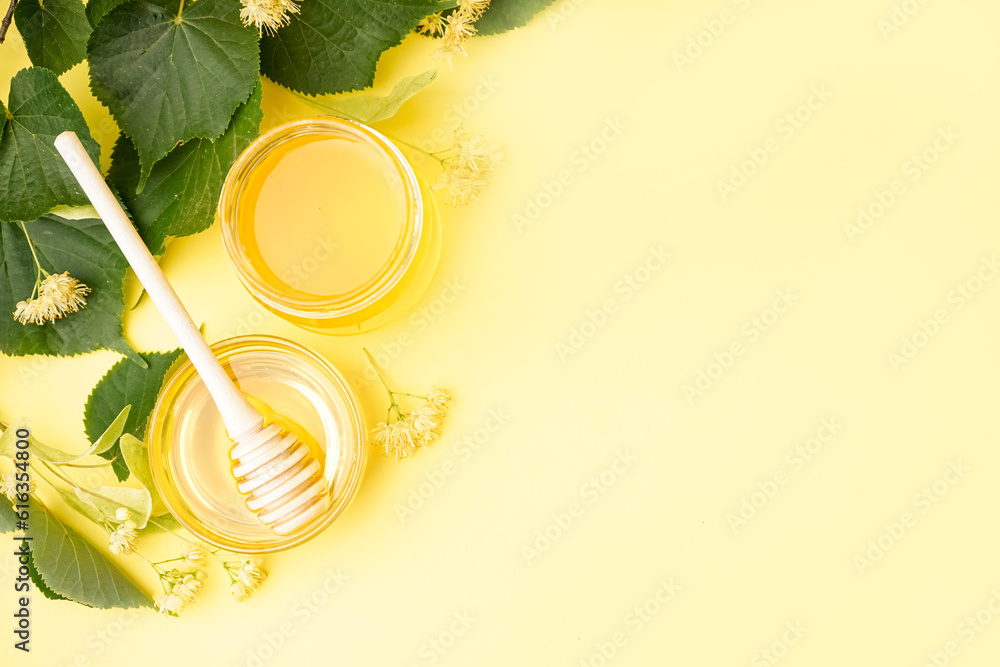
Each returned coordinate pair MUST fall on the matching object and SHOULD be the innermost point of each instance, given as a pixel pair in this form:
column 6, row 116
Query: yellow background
column 555, row 86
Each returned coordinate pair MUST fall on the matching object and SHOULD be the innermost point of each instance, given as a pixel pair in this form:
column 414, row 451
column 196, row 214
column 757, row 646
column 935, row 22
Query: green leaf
column 86, row 250
column 55, row 32
column 170, row 77
column 506, row 15
column 138, row 501
column 72, row 568
column 372, row 108
column 126, row 384
column 7, row 518
column 98, row 9
column 182, row 192
column 332, row 46
column 137, row 458
column 33, row 177
column 40, row 584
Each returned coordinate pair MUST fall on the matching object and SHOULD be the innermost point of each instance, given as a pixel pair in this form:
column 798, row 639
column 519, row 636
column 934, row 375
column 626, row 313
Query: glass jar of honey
column 328, row 227
column 189, row 447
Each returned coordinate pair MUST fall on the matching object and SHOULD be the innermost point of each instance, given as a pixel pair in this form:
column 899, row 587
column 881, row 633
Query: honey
column 189, row 446
column 328, row 227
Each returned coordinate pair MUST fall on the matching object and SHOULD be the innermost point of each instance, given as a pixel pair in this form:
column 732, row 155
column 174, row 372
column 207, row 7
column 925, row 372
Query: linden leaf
column 504, row 15
column 332, row 46
column 7, row 519
column 55, row 32
column 98, row 9
column 182, row 192
column 372, row 108
column 71, row 567
column 126, row 384
column 86, row 250
column 168, row 77
column 137, row 457
column 33, row 177
column 107, row 499
column 40, row 584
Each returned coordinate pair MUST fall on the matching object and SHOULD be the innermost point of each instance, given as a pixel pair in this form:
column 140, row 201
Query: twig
column 6, row 20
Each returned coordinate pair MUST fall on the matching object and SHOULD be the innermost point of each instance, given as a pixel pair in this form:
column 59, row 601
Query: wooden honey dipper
column 283, row 480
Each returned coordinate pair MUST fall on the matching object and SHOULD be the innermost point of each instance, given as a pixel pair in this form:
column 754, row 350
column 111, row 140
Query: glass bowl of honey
column 327, row 225
column 189, row 447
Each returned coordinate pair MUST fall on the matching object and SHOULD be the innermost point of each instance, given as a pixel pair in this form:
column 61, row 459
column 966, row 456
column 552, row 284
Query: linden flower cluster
column 268, row 15
column 182, row 589
column 471, row 158
column 246, row 576
column 121, row 541
column 57, row 295
column 418, row 428
column 456, row 28
column 400, row 438
column 8, row 487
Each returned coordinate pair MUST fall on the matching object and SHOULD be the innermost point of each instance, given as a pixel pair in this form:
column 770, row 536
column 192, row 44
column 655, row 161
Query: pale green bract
column 8, row 441
column 107, row 499
column 137, row 458
column 371, row 108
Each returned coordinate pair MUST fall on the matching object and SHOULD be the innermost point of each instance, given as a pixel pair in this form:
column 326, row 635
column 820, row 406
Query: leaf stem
column 88, row 465
column 48, row 481
column 178, row 535
column 433, row 156
column 392, row 395
column 38, row 265
column 6, row 21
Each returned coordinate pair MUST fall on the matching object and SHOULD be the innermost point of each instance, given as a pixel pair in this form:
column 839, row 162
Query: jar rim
column 318, row 307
